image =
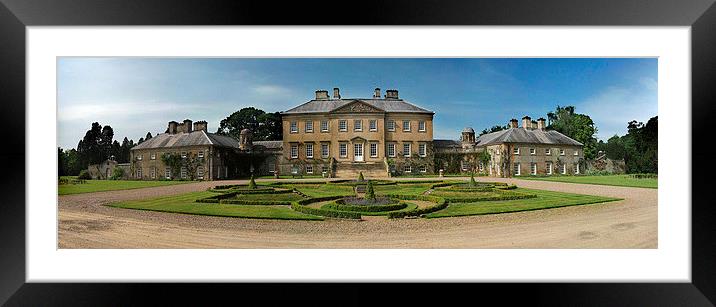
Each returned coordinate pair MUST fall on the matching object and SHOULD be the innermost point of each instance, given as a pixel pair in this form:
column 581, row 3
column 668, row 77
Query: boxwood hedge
column 370, row 208
column 300, row 207
column 255, row 202
column 440, row 203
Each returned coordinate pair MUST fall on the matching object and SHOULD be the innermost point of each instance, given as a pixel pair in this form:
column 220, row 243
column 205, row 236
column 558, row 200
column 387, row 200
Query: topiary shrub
column 360, row 177
column 370, row 193
column 84, row 174
column 252, row 183
column 472, row 180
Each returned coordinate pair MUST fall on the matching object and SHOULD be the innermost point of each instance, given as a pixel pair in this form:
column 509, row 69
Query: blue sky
column 140, row 95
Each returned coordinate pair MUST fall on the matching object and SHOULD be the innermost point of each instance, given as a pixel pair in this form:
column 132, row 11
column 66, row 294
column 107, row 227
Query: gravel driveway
column 632, row 223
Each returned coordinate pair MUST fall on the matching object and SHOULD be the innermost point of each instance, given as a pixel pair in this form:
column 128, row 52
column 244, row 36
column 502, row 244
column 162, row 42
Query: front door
column 358, row 152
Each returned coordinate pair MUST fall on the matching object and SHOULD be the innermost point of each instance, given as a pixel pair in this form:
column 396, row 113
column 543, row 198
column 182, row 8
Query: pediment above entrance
column 358, row 139
column 357, row 106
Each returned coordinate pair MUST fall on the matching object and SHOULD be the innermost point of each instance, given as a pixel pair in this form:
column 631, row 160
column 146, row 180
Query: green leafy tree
column 174, row 162
column 369, row 192
column 494, row 128
column 577, row 126
column 117, row 173
column 641, row 144
column 615, row 148
column 264, row 126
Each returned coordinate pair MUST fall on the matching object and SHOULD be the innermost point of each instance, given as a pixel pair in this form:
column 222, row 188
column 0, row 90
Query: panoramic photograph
column 375, row 153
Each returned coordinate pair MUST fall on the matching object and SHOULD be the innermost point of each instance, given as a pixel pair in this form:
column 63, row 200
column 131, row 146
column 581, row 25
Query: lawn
column 322, row 190
column 544, row 200
column 110, row 185
column 614, row 180
column 184, row 203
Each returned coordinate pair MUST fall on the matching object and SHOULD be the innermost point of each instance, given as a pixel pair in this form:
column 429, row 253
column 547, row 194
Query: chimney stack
column 321, row 95
column 541, row 123
column 172, row 129
column 200, row 125
column 513, row 123
column 526, row 122
column 336, row 93
column 391, row 94
column 187, row 125
column 376, row 94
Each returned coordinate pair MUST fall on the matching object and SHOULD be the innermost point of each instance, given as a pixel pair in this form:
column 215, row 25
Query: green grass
column 323, row 190
column 184, row 203
column 402, row 189
column 111, row 185
column 544, row 200
column 614, row 180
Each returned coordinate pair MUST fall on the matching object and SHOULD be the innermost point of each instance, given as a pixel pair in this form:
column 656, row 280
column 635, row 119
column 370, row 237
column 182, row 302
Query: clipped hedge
column 351, row 182
column 216, row 198
column 280, row 183
column 371, row 208
column 239, row 187
column 505, row 196
column 440, row 203
column 327, row 213
column 507, row 187
column 272, row 191
column 255, row 202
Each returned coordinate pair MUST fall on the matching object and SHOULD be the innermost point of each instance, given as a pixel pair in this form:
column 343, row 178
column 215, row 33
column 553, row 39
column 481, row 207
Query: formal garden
column 357, row 198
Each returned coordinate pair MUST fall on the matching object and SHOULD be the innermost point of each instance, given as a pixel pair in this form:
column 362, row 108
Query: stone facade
column 204, row 156
column 105, row 170
column 342, row 137
column 529, row 150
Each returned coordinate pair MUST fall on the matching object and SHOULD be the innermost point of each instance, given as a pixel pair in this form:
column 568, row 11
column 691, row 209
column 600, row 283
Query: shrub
column 252, row 183
column 370, row 193
column 360, row 177
column 505, row 196
column 472, row 180
column 84, row 174
column 117, row 173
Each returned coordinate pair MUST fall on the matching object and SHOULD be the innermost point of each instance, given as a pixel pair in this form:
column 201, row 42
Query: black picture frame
column 16, row 15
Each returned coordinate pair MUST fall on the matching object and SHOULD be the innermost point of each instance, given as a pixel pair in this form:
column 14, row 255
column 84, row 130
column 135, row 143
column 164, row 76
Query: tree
column 641, row 143
column 614, row 148
column 264, row 126
column 148, row 136
column 61, row 162
column 577, row 126
column 494, row 128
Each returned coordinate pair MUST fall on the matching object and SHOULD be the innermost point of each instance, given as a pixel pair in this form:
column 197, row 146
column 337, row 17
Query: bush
column 360, row 177
column 84, row 174
column 505, row 196
column 370, row 193
column 252, row 183
column 117, row 173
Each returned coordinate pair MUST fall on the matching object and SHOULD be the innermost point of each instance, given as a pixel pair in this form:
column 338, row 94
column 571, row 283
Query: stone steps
column 369, row 170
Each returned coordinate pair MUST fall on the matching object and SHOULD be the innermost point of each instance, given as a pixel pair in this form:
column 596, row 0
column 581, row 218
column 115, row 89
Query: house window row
column 549, row 169
column 357, row 125
column 409, row 169
column 547, row 151
column 184, row 154
column 343, row 150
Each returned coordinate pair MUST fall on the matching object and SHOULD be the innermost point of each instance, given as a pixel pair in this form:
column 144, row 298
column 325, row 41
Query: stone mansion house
column 380, row 136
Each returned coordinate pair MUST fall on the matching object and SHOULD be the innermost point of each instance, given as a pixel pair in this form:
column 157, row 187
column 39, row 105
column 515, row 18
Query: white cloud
column 612, row 108
column 649, row 83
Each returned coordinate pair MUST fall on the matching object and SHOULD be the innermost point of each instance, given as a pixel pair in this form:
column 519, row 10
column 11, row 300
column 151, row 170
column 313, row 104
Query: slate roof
column 194, row 138
column 446, row 143
column 328, row 105
column 522, row 135
column 269, row 144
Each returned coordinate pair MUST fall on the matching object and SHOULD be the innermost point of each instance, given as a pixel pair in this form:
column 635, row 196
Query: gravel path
column 631, row 223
